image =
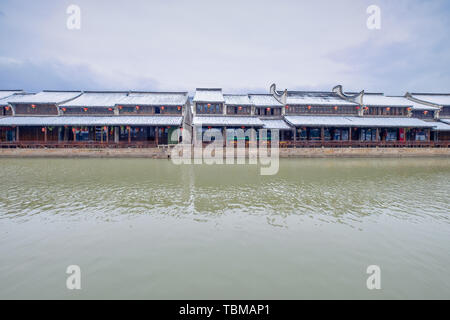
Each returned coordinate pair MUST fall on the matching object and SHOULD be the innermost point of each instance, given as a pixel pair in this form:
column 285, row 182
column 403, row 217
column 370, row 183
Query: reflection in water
column 329, row 189
column 225, row 231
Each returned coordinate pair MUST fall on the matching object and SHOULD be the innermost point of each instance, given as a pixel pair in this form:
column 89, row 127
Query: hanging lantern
column 243, row 127
column 335, row 107
column 209, row 127
column 43, row 129
column 64, row 109
column 287, row 107
column 357, row 108
column 409, row 109
column 309, row 107
column 162, row 108
column 268, row 109
column 110, row 109
column 179, row 108
column 120, row 107
column 137, row 107
column 425, row 112
column 209, row 105
column 239, row 108
column 74, row 130
column 105, row 128
column 388, row 109
column 7, row 108
column 33, row 106
column 85, row 109
column 366, row 108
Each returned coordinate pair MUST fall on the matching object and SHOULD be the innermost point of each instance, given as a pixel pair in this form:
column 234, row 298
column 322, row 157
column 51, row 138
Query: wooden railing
column 283, row 144
column 78, row 144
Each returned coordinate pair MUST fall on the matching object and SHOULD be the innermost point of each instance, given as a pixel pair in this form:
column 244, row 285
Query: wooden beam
column 156, row 135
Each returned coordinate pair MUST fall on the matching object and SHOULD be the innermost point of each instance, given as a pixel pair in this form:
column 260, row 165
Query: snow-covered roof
column 228, row 121
column 7, row 93
column 45, row 97
column 264, row 100
column 439, row 99
column 155, row 98
column 237, row 99
column 440, row 126
column 208, row 95
column 275, row 124
column 97, row 99
column 13, row 98
column 315, row 98
column 356, row 122
column 447, row 121
column 380, row 100
column 92, row 121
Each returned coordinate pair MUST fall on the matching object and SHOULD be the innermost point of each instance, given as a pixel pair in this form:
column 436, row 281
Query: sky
column 240, row 46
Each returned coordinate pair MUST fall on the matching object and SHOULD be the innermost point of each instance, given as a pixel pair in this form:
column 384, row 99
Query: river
column 149, row 229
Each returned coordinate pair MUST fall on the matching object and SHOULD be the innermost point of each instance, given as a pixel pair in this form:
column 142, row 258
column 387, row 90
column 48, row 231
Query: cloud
column 238, row 45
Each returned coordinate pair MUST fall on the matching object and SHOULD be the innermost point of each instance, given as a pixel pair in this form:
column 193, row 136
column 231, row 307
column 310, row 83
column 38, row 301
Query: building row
column 134, row 118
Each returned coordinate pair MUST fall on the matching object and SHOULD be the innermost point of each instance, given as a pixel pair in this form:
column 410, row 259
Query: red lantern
column 209, row 127
column 268, row 109
column 243, row 127
column 425, row 112
column 309, row 107
column 7, row 108
column 120, row 107
column 239, row 108
column 179, row 108
column 388, row 109
column 162, row 108
column 74, row 130
column 137, row 107
column 366, row 108
column 335, row 107
column 357, row 108
column 409, row 109
column 209, row 105
column 43, row 129
column 33, row 106
column 287, row 107
column 105, row 128
column 64, row 109
column 110, row 109
column 85, row 109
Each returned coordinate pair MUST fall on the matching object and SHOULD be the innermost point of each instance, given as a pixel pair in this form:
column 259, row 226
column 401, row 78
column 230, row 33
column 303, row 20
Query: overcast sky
column 237, row 45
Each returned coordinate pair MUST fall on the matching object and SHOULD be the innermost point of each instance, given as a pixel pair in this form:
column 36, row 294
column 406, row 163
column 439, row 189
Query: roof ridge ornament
column 356, row 98
column 281, row 98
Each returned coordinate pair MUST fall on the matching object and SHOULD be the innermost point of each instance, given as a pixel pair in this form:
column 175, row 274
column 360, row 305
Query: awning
column 275, row 124
column 92, row 121
column 440, row 126
column 236, row 121
column 370, row 122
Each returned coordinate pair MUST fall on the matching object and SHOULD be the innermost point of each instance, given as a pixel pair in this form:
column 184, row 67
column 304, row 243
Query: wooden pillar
column 101, row 134
column 294, row 131
column 107, row 134
column 428, row 135
column 156, row 135
column 377, row 134
column 350, row 134
column 74, row 131
column 17, row 134
column 224, row 135
column 116, row 134
column 45, row 134
column 129, row 134
column 322, row 134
